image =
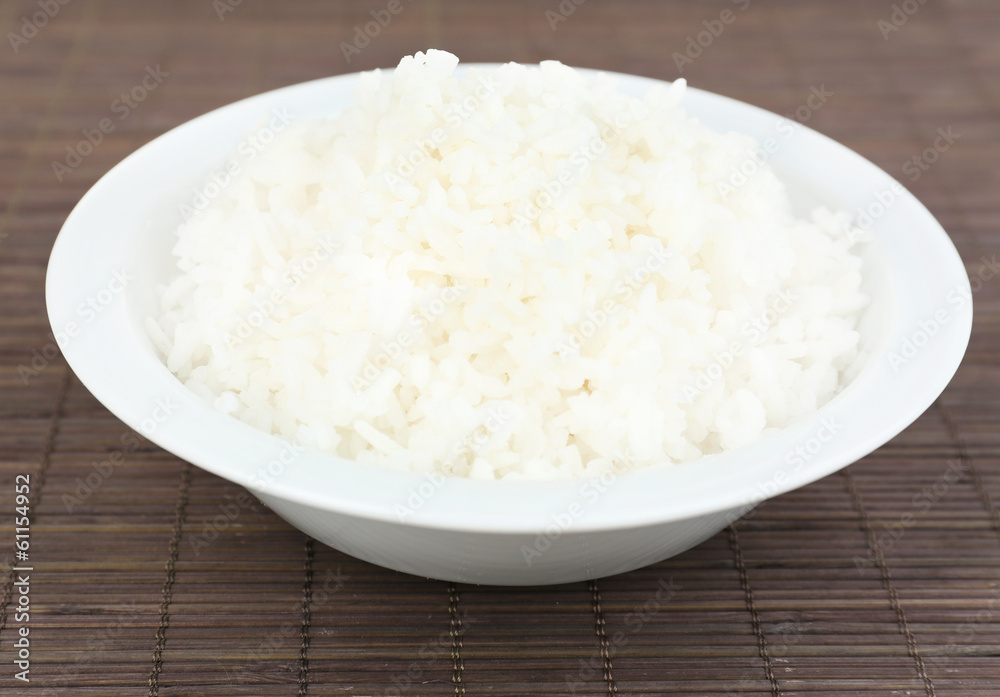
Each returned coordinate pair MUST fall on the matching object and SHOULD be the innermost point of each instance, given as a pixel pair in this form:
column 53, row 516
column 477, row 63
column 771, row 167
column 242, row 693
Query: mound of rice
column 517, row 273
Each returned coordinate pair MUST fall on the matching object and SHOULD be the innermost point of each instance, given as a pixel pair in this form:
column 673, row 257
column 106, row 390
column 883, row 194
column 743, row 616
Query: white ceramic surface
column 496, row 532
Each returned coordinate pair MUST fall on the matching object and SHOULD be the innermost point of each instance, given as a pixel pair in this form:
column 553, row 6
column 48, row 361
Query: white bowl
column 515, row 533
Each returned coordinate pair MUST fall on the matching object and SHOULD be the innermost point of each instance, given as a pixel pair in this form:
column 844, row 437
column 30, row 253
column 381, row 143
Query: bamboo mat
column 811, row 595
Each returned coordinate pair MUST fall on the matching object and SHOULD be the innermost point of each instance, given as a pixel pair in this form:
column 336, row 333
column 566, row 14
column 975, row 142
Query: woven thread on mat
column 36, row 488
column 602, row 638
column 967, row 461
column 306, row 620
column 456, row 631
column 904, row 625
column 168, row 583
column 751, row 603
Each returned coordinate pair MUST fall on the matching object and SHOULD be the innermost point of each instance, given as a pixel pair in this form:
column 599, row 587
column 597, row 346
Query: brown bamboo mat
column 808, row 596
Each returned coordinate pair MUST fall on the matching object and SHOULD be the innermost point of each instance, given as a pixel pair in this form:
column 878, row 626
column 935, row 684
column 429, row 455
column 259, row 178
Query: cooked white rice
column 518, row 273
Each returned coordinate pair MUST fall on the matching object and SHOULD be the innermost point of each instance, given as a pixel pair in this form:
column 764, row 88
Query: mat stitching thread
column 456, row 631
column 602, row 637
column 173, row 548
column 40, row 476
column 917, row 133
column 966, row 459
column 904, row 626
column 751, row 603
column 306, row 620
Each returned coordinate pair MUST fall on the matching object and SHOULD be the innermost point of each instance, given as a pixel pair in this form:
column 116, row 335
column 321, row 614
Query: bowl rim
column 108, row 360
